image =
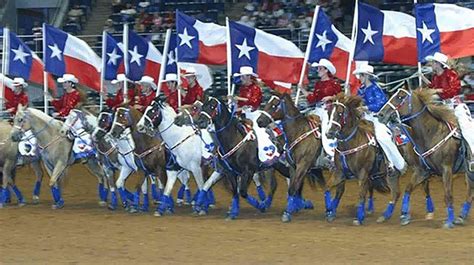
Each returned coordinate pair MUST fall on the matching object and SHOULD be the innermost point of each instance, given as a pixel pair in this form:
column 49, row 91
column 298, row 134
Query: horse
column 433, row 126
column 359, row 156
column 54, row 147
column 302, row 138
column 150, row 155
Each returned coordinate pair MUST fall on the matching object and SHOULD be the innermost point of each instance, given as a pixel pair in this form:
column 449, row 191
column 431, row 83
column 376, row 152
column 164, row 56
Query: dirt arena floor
column 84, row 233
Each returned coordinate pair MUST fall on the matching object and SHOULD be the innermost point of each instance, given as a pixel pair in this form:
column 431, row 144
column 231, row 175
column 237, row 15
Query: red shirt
column 194, row 93
column 323, row 89
column 66, row 103
column 113, row 103
column 172, row 99
column 253, row 93
column 16, row 100
column 145, row 100
column 449, row 82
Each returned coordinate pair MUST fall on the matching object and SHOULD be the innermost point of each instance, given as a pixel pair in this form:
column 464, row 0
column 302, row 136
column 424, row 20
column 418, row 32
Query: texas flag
column 66, row 54
column 271, row 57
column 445, row 28
column 143, row 58
column 112, row 58
column 22, row 62
column 385, row 36
column 200, row 42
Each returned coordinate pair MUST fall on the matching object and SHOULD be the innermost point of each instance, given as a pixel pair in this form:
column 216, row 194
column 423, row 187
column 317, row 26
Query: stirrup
column 471, row 166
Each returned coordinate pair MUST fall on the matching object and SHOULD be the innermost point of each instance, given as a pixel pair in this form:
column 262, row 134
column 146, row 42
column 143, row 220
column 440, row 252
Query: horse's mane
column 438, row 111
column 44, row 117
column 355, row 107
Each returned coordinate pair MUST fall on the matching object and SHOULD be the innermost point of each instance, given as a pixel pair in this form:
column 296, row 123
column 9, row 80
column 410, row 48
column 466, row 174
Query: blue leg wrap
column 292, row 206
column 146, row 203
column 154, row 193
column 37, row 188
column 466, row 208
column 261, row 193
column 429, row 205
column 180, row 194
column 335, row 204
column 136, row 199
column 8, row 195
column 389, row 211
column 370, row 204
column 307, row 204
column 54, row 194
column 18, row 194
column 3, row 196
column 210, row 197
column 268, row 202
column 57, row 197
column 202, row 200
column 450, row 211
column 130, row 195
column 361, row 212
column 327, row 200
column 123, row 197
column 235, row 207
column 102, row 192
column 113, row 200
column 253, row 201
column 187, row 196
column 405, row 203
column 167, row 204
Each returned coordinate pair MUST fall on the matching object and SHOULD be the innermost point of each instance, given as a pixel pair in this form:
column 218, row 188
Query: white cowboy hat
column 68, row 78
column 147, row 80
column 191, row 71
column 364, row 69
column 119, row 78
column 171, row 77
column 246, row 70
column 438, row 57
column 18, row 81
column 326, row 63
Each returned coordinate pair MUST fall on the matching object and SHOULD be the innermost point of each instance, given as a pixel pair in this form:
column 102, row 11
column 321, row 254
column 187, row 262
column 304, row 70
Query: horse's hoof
column 429, row 216
column 459, row 221
column 286, row 217
column 330, row 216
column 212, row 206
column 102, row 203
column 157, row 214
column 133, row 210
column 448, row 225
column 202, row 213
column 169, row 211
column 405, row 219
column 180, row 202
column 308, row 205
column 370, row 212
column 356, row 222
column 112, row 207
column 381, row 219
column 21, row 204
column 2, row 205
column 35, row 200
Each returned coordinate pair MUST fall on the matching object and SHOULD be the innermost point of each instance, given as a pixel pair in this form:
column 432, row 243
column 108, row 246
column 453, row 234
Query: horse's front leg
column 184, row 190
column 235, row 205
column 363, row 189
column 340, row 183
column 198, row 177
column 39, row 178
column 97, row 170
column 317, row 173
column 125, row 195
column 418, row 176
column 167, row 203
column 429, row 202
column 58, row 171
column 466, row 207
column 8, row 172
column 393, row 180
column 296, row 184
column 203, row 197
column 110, row 174
column 246, row 178
column 448, row 196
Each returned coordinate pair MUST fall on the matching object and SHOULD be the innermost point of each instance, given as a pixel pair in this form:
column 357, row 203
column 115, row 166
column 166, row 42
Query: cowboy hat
column 171, row 77
column 68, row 78
column 18, row 81
column 119, row 78
column 246, row 70
column 326, row 63
column 191, row 71
column 147, row 80
column 438, row 57
column 364, row 69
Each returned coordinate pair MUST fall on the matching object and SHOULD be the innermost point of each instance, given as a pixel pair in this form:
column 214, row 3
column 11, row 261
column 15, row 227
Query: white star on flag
column 244, row 49
column 426, row 33
column 185, row 38
column 323, row 40
column 55, row 51
column 113, row 57
column 368, row 32
column 20, row 54
column 135, row 56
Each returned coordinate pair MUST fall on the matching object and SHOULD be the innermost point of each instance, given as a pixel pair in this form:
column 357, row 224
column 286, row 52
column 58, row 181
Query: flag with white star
column 22, row 62
column 444, row 28
column 67, row 54
column 385, row 36
column 143, row 58
column 272, row 57
column 113, row 57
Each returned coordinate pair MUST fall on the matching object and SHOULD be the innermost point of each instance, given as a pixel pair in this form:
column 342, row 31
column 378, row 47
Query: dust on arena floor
column 83, row 232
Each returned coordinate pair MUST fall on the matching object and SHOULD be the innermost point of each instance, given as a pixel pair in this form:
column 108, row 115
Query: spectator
column 75, row 14
column 109, row 26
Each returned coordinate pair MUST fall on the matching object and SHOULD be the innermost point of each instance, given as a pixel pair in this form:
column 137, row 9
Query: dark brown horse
column 303, row 147
column 434, row 136
column 358, row 156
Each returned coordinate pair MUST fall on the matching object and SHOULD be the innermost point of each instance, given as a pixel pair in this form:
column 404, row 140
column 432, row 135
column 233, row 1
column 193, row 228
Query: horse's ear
column 354, row 102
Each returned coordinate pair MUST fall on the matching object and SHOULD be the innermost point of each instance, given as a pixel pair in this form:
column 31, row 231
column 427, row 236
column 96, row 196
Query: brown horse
column 358, row 155
column 303, row 147
column 435, row 140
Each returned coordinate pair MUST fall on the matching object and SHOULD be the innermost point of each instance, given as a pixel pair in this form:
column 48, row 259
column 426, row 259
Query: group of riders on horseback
column 278, row 148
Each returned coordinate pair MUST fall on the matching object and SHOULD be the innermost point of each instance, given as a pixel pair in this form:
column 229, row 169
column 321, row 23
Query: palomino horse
column 358, row 155
column 436, row 142
column 302, row 148
column 55, row 149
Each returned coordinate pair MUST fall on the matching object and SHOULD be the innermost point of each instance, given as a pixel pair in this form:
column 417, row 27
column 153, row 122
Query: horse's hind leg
column 39, row 178
column 429, row 202
column 235, row 205
column 370, row 201
column 296, row 183
column 183, row 190
column 364, row 187
column 110, row 173
column 394, row 184
column 466, row 207
column 58, row 171
column 94, row 168
column 448, row 196
column 318, row 175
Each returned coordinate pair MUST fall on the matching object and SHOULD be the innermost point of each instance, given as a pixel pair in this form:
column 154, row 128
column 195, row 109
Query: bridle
column 332, row 120
column 397, row 107
column 121, row 125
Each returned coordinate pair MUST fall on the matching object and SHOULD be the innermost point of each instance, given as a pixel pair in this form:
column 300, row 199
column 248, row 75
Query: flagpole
column 4, row 52
column 102, row 73
column 347, row 90
column 164, row 61
column 125, row 59
column 308, row 51
column 229, row 59
column 418, row 62
column 45, row 74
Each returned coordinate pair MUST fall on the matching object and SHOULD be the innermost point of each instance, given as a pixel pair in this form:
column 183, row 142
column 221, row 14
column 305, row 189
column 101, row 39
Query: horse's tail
column 379, row 183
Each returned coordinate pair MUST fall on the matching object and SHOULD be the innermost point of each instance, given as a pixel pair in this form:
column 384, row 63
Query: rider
column 445, row 80
column 147, row 93
column 20, row 97
column 118, row 100
column 194, row 91
column 327, row 86
column 374, row 98
column 172, row 84
column 70, row 99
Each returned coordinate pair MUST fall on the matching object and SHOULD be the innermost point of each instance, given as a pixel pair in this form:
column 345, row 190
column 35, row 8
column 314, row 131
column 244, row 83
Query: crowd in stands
column 77, row 15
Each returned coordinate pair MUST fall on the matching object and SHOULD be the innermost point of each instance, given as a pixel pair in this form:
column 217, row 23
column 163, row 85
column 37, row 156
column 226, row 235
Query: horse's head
column 73, row 120
column 272, row 111
column 209, row 112
column 21, row 123
column 122, row 121
column 399, row 105
column 151, row 119
column 188, row 114
column 342, row 110
column 104, row 124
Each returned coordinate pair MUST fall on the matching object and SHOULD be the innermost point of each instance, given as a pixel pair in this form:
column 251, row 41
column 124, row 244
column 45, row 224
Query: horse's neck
column 295, row 127
column 227, row 126
column 359, row 136
column 44, row 131
column 426, row 128
column 143, row 142
column 172, row 133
